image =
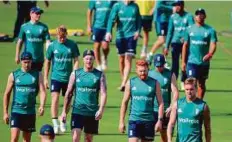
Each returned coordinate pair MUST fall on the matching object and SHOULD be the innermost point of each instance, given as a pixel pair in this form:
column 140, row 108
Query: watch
column 161, row 119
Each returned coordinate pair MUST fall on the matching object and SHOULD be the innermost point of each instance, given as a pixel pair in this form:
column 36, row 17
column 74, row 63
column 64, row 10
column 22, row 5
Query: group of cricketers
column 153, row 94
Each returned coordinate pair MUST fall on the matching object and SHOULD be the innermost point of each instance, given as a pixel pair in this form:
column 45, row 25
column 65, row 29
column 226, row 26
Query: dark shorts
column 88, row 123
column 165, row 120
column 141, row 129
column 57, row 86
column 198, row 71
column 38, row 66
column 126, row 46
column 98, row 35
column 25, row 122
column 147, row 24
column 161, row 28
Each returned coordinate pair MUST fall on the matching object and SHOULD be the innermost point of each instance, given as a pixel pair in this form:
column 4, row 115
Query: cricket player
column 63, row 55
column 25, row 84
column 190, row 113
column 33, row 35
column 47, row 133
column 141, row 90
column 200, row 41
column 86, row 84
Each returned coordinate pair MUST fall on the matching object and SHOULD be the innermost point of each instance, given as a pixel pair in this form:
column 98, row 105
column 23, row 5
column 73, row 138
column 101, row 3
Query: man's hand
column 63, row 117
column 89, row 30
column 41, row 110
column 46, row 85
column 108, row 37
column 122, row 127
column 158, row 126
column 6, row 118
column 183, row 67
column 207, row 57
column 136, row 35
column 17, row 60
column 168, row 111
column 165, row 52
column 98, row 114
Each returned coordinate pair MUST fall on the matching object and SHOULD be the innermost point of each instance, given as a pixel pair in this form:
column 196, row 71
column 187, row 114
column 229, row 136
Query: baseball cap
column 200, row 11
column 47, row 130
column 26, row 56
column 159, row 60
column 36, row 10
column 178, row 2
column 88, row 52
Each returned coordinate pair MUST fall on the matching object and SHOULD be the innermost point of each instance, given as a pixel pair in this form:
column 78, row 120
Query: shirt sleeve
column 91, row 4
column 46, row 33
column 49, row 52
column 22, row 33
column 75, row 52
column 213, row 36
column 186, row 35
column 170, row 32
column 112, row 18
column 190, row 20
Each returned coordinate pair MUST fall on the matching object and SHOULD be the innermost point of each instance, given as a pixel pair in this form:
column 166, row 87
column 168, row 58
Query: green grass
column 73, row 15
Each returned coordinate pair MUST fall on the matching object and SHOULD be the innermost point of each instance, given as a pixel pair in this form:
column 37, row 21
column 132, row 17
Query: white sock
column 55, row 122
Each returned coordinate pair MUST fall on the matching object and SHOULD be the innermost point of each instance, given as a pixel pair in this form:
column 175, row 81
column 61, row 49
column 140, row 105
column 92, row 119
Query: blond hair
column 191, row 81
column 61, row 30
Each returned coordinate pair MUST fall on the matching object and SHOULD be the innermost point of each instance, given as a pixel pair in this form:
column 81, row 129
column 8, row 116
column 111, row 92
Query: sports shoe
column 143, row 54
column 99, row 68
column 182, row 86
column 149, row 58
column 63, row 127
column 56, row 129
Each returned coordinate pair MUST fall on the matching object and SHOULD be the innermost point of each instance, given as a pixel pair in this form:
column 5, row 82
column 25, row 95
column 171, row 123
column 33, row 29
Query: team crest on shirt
column 175, row 21
column 149, row 89
column 191, row 34
column 17, row 80
column 94, row 80
column 69, row 50
column 197, row 111
column 165, row 80
column 121, row 12
column 33, row 80
column 28, row 31
column 205, row 34
column 185, row 20
column 179, row 110
column 40, row 30
column 55, row 52
column 134, row 88
column 78, row 80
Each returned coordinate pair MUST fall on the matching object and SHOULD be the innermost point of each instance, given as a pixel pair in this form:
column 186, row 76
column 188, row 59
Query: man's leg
column 76, row 135
column 145, row 44
column 134, row 139
column 54, row 111
column 26, row 136
column 164, row 135
column 175, row 59
column 121, row 65
column 201, row 88
column 20, row 18
column 88, row 137
column 106, row 50
column 15, row 134
column 97, row 54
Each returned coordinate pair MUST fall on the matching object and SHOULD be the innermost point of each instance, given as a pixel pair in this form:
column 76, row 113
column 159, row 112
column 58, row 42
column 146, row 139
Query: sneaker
column 149, row 58
column 99, row 68
column 167, row 66
column 63, row 127
column 143, row 54
column 182, row 86
column 104, row 63
column 56, row 129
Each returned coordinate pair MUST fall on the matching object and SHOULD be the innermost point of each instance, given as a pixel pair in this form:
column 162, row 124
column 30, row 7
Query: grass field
column 73, row 15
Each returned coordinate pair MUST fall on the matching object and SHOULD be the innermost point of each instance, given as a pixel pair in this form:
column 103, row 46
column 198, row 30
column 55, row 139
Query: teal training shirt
column 199, row 39
column 163, row 10
column 26, row 88
column 189, row 120
column 34, row 37
column 62, row 56
column 143, row 94
column 127, row 17
column 164, row 79
column 87, row 87
column 101, row 12
column 177, row 27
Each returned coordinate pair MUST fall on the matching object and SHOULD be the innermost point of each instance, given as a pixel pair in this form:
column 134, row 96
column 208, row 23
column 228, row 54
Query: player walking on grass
column 99, row 11
column 200, row 41
column 168, row 85
column 141, row 90
column 62, row 54
column 33, row 34
column 127, row 17
column 178, row 24
column 25, row 83
column 86, row 83
column 190, row 113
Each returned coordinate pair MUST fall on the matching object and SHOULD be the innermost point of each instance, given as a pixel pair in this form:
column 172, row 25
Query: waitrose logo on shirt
column 63, row 59
column 142, row 98
column 186, row 120
column 25, row 90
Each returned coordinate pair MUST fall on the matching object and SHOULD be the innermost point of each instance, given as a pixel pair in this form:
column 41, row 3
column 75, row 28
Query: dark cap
column 47, row 130
column 178, row 2
column 200, row 11
column 159, row 60
column 36, row 10
column 26, row 56
column 88, row 52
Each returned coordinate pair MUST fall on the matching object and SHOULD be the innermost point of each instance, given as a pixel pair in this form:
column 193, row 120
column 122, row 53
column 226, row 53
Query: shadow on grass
column 221, row 114
column 219, row 91
column 220, row 68
column 61, row 105
column 111, row 134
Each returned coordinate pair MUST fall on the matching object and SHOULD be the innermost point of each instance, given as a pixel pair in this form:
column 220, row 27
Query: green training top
column 143, row 94
column 164, row 79
column 34, row 36
column 26, row 88
column 87, row 87
column 177, row 27
column 189, row 120
column 62, row 55
column 199, row 39
column 163, row 10
column 127, row 17
column 101, row 12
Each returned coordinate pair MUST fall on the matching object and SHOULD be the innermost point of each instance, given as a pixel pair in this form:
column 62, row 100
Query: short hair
column 191, row 81
column 142, row 62
column 61, row 30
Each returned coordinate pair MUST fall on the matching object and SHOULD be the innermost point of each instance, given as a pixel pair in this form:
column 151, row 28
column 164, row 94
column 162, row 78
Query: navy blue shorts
column 37, row 66
column 25, row 122
column 146, row 24
column 198, row 71
column 165, row 120
column 126, row 46
column 88, row 123
column 141, row 129
column 98, row 35
column 161, row 28
column 57, row 86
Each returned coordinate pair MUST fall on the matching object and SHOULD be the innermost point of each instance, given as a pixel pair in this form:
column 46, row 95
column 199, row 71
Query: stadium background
column 73, row 15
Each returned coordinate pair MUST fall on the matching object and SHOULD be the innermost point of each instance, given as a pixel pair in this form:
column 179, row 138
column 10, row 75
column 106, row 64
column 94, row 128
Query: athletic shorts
column 25, row 122
column 57, row 86
column 88, row 123
column 146, row 24
column 198, row 71
column 126, row 46
column 165, row 120
column 161, row 28
column 98, row 35
column 37, row 66
column 141, row 129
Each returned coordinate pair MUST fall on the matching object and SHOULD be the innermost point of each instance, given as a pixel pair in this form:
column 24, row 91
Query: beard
column 143, row 77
